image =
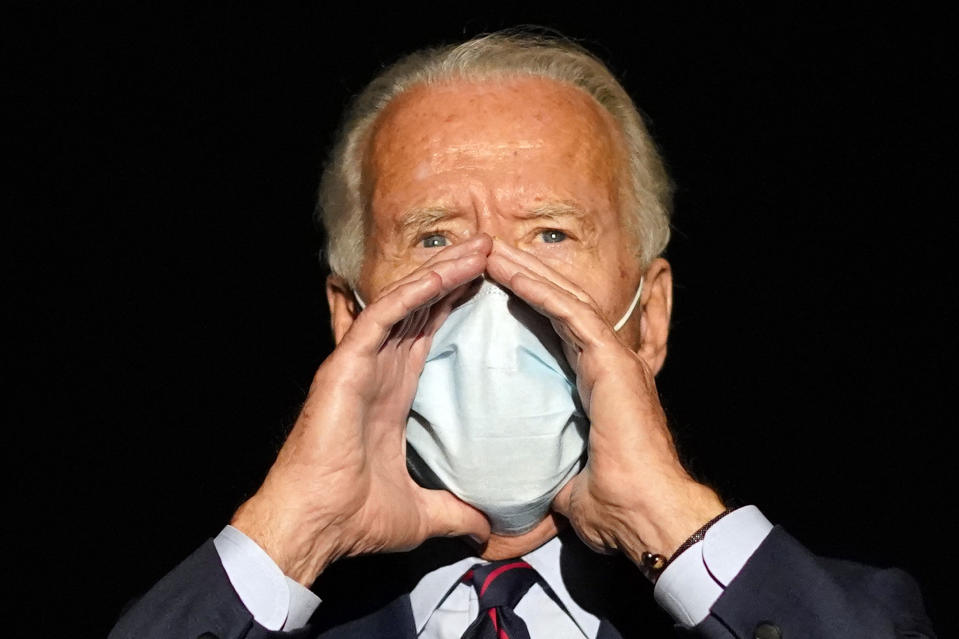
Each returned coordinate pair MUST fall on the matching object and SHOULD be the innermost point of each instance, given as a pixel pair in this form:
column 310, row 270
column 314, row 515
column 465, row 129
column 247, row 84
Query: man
column 472, row 186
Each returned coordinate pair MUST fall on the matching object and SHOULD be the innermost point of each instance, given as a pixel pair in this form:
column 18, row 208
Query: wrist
column 299, row 547
column 663, row 527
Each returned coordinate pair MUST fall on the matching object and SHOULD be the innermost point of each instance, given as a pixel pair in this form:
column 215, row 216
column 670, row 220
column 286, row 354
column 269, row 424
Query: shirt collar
column 545, row 560
column 433, row 588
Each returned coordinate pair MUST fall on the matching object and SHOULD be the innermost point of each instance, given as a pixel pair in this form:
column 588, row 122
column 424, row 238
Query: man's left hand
column 633, row 494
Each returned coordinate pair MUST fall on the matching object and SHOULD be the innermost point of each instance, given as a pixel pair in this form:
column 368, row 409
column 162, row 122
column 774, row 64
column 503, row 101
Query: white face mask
column 497, row 419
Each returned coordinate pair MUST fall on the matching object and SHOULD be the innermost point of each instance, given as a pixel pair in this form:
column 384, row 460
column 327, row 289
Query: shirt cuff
column 693, row 582
column 275, row 601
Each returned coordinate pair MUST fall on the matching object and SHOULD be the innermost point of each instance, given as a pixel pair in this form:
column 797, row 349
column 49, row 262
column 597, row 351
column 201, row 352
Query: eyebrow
column 425, row 219
column 554, row 211
column 419, row 220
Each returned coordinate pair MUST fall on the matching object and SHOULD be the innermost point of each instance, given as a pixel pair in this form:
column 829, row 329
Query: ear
column 343, row 305
column 657, row 308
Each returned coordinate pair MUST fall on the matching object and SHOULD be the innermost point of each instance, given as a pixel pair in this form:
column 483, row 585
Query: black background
column 167, row 303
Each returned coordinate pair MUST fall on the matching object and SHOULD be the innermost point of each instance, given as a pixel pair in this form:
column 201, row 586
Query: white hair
column 342, row 206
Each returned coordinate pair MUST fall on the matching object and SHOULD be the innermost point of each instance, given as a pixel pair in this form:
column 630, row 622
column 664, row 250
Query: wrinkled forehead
column 472, row 121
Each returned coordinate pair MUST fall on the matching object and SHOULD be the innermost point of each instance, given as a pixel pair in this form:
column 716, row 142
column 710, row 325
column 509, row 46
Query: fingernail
column 476, row 239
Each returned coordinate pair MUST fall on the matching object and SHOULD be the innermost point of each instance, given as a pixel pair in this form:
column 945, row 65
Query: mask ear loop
column 629, row 311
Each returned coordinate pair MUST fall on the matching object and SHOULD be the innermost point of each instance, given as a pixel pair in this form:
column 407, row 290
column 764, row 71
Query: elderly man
column 496, row 212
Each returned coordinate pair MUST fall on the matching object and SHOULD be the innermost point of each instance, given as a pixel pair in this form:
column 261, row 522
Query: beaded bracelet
column 652, row 565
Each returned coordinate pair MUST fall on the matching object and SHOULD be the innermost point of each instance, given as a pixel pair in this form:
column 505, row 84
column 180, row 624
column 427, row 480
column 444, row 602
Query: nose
column 488, row 216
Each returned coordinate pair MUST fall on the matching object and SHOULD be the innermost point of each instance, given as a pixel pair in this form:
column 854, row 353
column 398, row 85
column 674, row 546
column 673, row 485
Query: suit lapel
column 611, row 588
column 369, row 596
column 607, row 631
column 393, row 620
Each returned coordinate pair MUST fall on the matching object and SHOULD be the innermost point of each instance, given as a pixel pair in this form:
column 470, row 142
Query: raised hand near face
column 339, row 486
column 633, row 494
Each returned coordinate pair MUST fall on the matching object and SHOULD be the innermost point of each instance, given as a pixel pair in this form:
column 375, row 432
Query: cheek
column 563, row 256
column 583, row 268
column 606, row 281
column 385, row 265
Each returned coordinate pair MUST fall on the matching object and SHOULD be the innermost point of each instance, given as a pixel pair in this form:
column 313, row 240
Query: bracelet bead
column 652, row 565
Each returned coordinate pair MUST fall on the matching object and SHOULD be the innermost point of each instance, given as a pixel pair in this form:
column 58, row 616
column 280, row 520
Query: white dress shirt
column 687, row 589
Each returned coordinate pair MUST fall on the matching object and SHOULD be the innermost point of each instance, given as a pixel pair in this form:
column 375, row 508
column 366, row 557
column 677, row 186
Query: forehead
column 508, row 105
column 490, row 124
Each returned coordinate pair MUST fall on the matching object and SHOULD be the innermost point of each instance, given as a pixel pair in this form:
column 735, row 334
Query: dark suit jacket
column 782, row 591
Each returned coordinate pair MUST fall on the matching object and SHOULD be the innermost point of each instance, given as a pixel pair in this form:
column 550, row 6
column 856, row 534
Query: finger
column 464, row 292
column 374, row 324
column 419, row 345
column 402, row 328
column 442, row 309
column 447, row 516
column 562, row 500
column 580, row 320
column 448, row 270
column 418, row 322
column 533, row 265
column 479, row 244
column 509, row 273
column 574, row 338
column 504, row 269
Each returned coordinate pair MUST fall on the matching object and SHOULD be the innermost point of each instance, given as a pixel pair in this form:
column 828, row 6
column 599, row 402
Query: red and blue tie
column 500, row 586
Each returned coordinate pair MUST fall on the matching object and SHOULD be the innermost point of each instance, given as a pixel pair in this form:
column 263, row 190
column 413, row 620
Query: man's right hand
column 339, row 486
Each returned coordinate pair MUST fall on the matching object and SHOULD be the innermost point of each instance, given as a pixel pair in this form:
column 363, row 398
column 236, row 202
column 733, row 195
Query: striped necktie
column 500, row 586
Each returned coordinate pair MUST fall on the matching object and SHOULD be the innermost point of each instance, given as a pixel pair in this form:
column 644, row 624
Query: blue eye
column 434, row 241
column 552, row 236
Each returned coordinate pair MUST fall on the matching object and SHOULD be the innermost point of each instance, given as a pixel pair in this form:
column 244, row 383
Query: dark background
column 167, row 308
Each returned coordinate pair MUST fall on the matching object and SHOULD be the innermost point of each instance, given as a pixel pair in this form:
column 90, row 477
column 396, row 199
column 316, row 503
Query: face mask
column 497, row 419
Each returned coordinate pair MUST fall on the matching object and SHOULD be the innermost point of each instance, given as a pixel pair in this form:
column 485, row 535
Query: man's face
column 531, row 161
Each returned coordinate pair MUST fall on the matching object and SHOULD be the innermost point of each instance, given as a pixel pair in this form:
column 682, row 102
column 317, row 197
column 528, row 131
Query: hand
column 339, row 485
column 633, row 494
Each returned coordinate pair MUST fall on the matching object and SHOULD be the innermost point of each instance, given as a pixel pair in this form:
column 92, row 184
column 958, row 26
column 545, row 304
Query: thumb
column 562, row 502
column 448, row 516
